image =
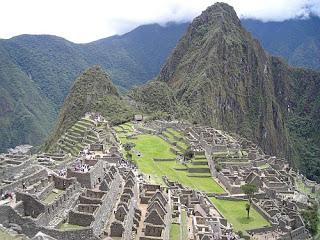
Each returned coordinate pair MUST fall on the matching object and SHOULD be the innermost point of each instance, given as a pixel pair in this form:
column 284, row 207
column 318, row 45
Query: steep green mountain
column 25, row 114
column 46, row 66
column 51, row 62
column 296, row 40
column 221, row 76
column 92, row 91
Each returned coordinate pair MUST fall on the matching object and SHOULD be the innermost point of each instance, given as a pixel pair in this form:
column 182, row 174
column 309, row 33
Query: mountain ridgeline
column 37, row 71
column 219, row 75
column 296, row 40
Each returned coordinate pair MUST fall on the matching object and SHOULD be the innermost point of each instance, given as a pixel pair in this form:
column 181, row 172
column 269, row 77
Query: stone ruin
column 97, row 194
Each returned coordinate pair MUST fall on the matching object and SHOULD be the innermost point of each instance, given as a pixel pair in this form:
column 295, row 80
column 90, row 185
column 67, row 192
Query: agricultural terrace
column 153, row 157
column 235, row 212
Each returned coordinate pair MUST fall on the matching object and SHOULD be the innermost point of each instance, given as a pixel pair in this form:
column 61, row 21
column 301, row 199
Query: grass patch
column 6, row 236
column 68, row 226
column 175, row 132
column 235, row 212
column 184, row 224
column 152, row 146
column 264, row 166
column 52, row 196
column 175, row 231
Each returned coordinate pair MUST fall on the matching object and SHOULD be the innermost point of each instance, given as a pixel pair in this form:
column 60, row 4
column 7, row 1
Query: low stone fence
column 199, row 170
column 174, row 151
column 164, row 159
column 261, row 211
column 216, row 195
column 262, row 230
column 231, row 198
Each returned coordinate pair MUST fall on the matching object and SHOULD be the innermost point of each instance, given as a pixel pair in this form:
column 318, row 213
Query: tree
column 188, row 154
column 249, row 190
column 310, row 217
column 218, row 167
column 128, row 146
column 248, row 206
column 129, row 156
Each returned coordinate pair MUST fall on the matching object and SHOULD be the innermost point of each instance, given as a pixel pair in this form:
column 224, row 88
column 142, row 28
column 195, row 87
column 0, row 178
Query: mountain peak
column 95, row 82
column 218, row 13
column 224, row 77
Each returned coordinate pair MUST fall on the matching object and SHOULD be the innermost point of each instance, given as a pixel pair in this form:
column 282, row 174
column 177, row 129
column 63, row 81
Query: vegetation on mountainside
column 45, row 67
column 92, row 91
column 219, row 75
column 25, row 115
column 50, row 64
column 155, row 96
column 304, row 122
column 310, row 217
column 296, row 40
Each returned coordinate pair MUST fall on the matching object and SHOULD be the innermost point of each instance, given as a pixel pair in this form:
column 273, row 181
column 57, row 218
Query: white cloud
column 88, row 20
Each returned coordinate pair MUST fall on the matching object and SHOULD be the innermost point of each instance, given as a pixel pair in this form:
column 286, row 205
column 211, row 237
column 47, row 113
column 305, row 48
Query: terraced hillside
column 157, row 156
column 81, row 134
column 176, row 138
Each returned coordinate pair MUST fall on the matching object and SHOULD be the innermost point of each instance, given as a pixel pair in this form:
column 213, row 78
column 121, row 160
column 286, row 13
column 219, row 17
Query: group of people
column 7, row 195
column 62, row 172
column 82, row 168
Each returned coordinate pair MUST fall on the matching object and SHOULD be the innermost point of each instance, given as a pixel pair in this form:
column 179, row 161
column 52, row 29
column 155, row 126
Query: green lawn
column 184, row 224
column 152, row 146
column 175, row 231
column 6, row 236
column 180, row 231
column 124, row 130
column 170, row 133
column 52, row 196
column 264, row 166
column 235, row 212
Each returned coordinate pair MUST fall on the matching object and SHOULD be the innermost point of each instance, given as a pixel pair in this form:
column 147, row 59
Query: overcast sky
column 87, row 20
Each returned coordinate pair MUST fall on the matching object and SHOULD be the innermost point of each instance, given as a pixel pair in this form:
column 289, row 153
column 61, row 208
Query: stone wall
column 262, row 230
column 231, row 188
column 108, row 203
column 80, row 218
column 17, row 167
column 46, row 190
column 88, row 179
column 129, row 219
column 30, row 228
column 18, row 184
column 199, row 170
